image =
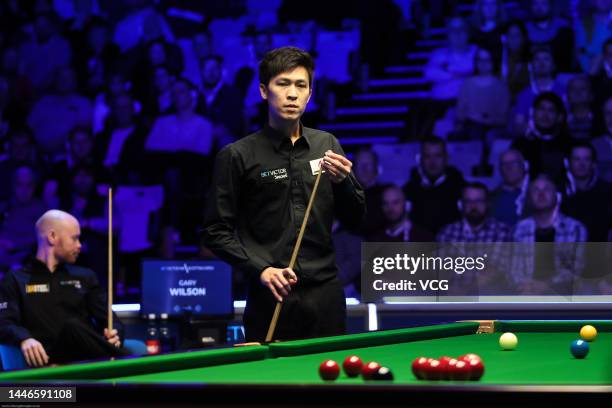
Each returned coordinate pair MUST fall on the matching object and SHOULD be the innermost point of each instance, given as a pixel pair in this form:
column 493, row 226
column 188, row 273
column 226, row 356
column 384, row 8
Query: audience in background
column 603, row 144
column 586, row 197
column 484, row 100
column 366, row 167
column 546, row 141
column 591, row 31
column 580, row 115
column 509, row 198
column 488, row 23
column 547, row 269
column 434, row 187
column 515, row 57
column 396, row 225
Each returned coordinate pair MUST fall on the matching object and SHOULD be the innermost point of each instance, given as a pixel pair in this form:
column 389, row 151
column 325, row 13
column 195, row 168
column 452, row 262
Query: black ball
column 383, row 374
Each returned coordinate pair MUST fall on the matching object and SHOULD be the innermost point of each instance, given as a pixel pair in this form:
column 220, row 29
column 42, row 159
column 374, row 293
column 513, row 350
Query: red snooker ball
column 469, row 356
column 329, row 370
column 368, row 370
column 433, row 370
column 476, row 369
column 459, row 371
column 418, row 367
column 352, row 366
column 444, row 363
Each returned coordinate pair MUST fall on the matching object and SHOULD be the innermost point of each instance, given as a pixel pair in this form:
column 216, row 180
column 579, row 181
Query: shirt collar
column 278, row 138
column 38, row 267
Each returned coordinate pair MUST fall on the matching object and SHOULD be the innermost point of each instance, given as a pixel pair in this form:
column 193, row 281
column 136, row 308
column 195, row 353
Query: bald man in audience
column 54, row 311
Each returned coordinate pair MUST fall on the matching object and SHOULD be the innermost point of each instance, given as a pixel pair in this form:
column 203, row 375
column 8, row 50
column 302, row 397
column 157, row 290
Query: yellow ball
column 508, row 341
column 588, row 332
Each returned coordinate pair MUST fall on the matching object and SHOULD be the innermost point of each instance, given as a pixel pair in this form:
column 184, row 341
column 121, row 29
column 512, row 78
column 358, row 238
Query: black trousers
column 310, row 310
column 79, row 341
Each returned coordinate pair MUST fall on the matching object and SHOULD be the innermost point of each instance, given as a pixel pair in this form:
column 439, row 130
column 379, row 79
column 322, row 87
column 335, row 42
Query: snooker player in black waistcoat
column 261, row 187
column 54, row 311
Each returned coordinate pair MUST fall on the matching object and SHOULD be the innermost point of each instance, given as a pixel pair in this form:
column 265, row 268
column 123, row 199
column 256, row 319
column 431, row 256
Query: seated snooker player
column 261, row 188
column 55, row 311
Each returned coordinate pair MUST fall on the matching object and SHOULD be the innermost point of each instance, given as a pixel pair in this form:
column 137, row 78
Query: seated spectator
column 475, row 224
column 52, row 326
column 121, row 141
column 480, row 231
column 184, row 130
column 54, row 116
column 592, row 29
column 24, row 208
column 484, row 100
column 508, row 203
column 487, row 24
column 434, row 187
column 586, row 197
column 158, row 98
column 45, row 53
column 544, row 28
column 547, row 269
column 247, row 78
column 116, row 83
column 80, row 151
column 515, row 57
column 395, row 226
column 446, row 69
column 580, row 118
column 602, row 76
column 141, row 24
column 96, row 57
column 195, row 49
column 221, row 103
column 542, row 78
column 546, row 141
column 603, row 144
column 85, row 203
column 347, row 244
column 366, row 168
column 21, row 151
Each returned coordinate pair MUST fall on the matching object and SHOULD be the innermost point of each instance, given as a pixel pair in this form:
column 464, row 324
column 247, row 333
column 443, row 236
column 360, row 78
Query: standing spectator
column 395, row 226
column 592, row 30
column 366, row 167
column 446, row 69
column 515, row 57
column 475, row 224
column 484, row 100
column 54, row 116
column 580, row 117
column 19, row 214
column 547, row 269
column 603, row 144
column 487, row 24
column 546, row 29
column 45, row 53
column 586, row 197
column 508, row 204
column 434, row 187
column 221, row 103
column 542, row 78
column 546, row 141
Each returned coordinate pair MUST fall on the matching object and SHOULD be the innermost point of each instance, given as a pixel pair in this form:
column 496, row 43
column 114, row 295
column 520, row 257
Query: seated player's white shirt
column 171, row 134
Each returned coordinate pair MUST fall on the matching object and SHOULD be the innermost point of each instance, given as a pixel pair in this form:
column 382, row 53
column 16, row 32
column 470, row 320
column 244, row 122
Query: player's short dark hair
column 583, row 145
column 477, row 185
column 285, row 59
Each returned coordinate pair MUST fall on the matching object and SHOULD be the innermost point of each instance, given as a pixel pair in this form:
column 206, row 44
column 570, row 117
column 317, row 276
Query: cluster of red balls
column 466, row 367
column 353, row 366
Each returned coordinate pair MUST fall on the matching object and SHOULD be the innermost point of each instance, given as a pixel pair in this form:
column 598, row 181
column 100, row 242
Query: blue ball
column 579, row 348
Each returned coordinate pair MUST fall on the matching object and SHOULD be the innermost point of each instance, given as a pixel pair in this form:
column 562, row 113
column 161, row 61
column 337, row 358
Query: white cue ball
column 508, row 341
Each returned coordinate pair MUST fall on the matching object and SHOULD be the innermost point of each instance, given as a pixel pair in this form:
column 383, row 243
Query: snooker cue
column 296, row 248
column 110, row 259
